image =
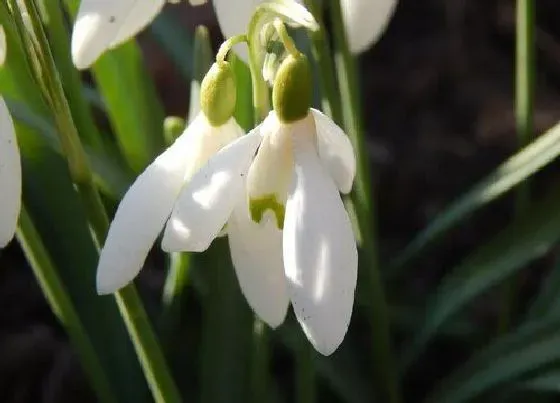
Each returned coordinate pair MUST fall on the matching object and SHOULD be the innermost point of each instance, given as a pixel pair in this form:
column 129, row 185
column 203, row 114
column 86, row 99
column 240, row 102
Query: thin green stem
column 227, row 45
column 259, row 362
column 147, row 346
column 524, row 111
column 362, row 196
column 305, row 373
column 81, row 113
column 142, row 335
column 53, row 289
column 174, row 292
column 330, row 100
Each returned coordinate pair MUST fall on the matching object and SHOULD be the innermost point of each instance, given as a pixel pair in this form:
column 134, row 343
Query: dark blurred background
column 438, row 92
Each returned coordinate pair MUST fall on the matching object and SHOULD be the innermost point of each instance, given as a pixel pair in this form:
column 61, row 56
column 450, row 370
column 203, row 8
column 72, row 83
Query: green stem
column 524, row 110
column 174, row 292
column 330, row 99
column 305, row 373
column 81, row 113
column 227, row 45
column 285, row 37
column 259, row 362
column 53, row 289
column 142, row 335
column 383, row 359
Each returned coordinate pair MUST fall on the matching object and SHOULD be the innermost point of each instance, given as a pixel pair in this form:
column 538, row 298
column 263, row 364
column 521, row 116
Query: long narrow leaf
column 525, row 239
column 515, row 170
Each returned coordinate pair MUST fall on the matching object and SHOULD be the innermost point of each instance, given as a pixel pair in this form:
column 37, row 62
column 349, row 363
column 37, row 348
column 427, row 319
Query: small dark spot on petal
column 112, row 19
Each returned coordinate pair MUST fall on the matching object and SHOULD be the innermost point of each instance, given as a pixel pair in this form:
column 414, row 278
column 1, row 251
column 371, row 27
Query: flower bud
column 218, row 93
column 292, row 91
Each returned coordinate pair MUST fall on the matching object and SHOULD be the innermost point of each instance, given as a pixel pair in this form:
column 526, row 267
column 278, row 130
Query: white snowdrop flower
column 10, row 176
column 104, row 24
column 365, row 21
column 277, row 190
column 3, row 46
column 146, row 206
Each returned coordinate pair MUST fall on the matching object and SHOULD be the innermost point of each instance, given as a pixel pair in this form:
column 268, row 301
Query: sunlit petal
column 320, row 254
column 336, row 151
column 104, row 24
column 365, row 21
column 206, row 202
column 143, row 211
column 256, row 252
column 10, row 176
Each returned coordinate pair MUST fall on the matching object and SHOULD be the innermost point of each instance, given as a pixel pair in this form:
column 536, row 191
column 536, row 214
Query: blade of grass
column 53, row 289
column 527, row 238
column 524, row 99
column 507, row 359
column 541, row 152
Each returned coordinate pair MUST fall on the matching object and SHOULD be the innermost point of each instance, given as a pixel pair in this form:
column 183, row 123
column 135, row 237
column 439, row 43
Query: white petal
column 336, row 151
column 10, row 176
column 256, row 252
column 320, row 254
column 365, row 21
column 206, row 202
column 143, row 211
column 233, row 18
column 3, row 46
column 104, row 24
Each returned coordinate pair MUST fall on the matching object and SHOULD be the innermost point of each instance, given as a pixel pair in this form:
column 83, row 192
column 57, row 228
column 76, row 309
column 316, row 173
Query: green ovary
column 259, row 206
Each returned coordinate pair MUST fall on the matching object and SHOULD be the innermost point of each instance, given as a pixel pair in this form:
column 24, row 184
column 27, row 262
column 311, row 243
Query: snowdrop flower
column 10, row 176
column 277, row 191
column 143, row 211
column 365, row 21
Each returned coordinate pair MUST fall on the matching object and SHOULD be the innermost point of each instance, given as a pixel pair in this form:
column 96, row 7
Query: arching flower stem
column 285, row 37
column 227, row 45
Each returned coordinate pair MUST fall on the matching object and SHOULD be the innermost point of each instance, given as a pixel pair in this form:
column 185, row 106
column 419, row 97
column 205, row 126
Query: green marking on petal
column 259, row 206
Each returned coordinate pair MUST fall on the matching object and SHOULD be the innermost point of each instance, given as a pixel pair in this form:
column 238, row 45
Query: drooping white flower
column 104, row 24
column 290, row 236
column 10, row 176
column 147, row 204
column 365, row 21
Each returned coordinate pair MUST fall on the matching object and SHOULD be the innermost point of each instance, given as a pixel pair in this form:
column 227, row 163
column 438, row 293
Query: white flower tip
column 107, row 283
column 87, row 42
column 194, row 3
column 177, row 238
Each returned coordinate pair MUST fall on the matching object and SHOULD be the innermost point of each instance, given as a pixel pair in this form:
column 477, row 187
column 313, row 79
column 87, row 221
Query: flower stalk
column 362, row 195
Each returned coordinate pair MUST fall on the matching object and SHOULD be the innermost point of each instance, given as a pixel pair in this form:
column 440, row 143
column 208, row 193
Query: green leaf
column 527, row 238
column 110, row 176
column 511, row 173
column 55, row 209
column 509, row 358
column 131, row 100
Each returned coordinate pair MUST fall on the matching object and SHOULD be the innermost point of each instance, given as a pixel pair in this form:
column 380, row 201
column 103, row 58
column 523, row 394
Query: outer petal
column 104, row 24
column 233, row 17
column 206, row 203
column 144, row 210
column 320, row 254
column 10, row 176
column 336, row 151
column 256, row 252
column 3, row 46
column 365, row 21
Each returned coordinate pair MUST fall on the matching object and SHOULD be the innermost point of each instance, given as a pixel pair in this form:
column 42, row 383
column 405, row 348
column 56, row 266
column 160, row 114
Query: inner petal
column 270, row 175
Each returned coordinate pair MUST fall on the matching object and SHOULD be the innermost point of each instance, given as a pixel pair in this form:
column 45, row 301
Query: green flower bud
column 292, row 91
column 218, row 93
column 173, row 126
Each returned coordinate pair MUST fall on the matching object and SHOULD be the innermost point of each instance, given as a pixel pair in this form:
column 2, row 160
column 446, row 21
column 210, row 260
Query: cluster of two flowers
column 275, row 191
